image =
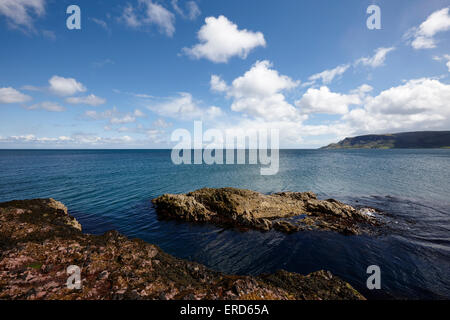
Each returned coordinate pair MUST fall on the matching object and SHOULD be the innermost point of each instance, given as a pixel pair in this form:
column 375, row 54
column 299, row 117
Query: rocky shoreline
column 285, row 211
column 39, row 240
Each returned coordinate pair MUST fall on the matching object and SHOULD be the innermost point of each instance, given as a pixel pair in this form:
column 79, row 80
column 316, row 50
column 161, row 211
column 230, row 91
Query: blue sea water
column 112, row 189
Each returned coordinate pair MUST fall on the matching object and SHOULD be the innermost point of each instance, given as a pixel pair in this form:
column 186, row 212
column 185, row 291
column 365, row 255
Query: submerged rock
column 250, row 209
column 39, row 241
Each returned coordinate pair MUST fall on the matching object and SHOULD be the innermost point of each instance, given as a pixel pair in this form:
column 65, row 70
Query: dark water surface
column 112, row 189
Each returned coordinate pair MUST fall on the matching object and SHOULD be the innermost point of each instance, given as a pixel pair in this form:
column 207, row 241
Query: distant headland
column 404, row 140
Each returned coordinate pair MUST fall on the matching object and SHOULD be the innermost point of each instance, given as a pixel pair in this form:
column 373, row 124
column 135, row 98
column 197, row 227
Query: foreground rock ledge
column 39, row 240
column 285, row 211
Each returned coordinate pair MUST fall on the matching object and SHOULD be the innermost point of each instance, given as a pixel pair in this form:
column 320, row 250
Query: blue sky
column 138, row 70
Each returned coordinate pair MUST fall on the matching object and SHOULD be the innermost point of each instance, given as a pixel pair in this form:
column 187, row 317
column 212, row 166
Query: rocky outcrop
column 286, row 211
column 39, row 241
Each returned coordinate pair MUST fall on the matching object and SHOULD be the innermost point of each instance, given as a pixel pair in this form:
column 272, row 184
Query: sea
column 113, row 189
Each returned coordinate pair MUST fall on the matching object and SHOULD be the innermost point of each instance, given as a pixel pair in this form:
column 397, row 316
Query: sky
column 138, row 70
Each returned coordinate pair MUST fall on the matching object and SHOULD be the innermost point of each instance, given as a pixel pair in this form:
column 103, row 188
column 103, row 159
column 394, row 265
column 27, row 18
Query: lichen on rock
column 39, row 240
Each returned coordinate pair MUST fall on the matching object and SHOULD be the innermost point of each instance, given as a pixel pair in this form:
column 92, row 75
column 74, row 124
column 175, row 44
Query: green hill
column 421, row 139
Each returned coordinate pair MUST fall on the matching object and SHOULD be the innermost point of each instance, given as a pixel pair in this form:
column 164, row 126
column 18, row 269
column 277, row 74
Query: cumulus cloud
column 413, row 97
column 48, row 106
column 362, row 90
column 182, row 106
column 324, row 101
column 91, row 100
column 260, row 81
column 218, row 84
column 20, row 13
column 259, row 93
column 327, row 76
column 416, row 105
column 213, row 112
column 149, row 13
column 377, row 59
column 291, row 132
column 220, row 39
column 423, row 36
column 65, row 86
column 11, row 95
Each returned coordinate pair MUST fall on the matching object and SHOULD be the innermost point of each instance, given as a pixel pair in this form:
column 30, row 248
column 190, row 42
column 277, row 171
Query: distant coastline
column 403, row 140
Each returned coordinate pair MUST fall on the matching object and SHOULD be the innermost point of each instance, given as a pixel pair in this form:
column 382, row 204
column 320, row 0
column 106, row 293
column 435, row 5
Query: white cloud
column 328, row 75
column 324, row 101
column 218, row 84
column 415, row 96
column 11, row 95
column 75, row 139
column 102, row 63
column 48, row 106
column 138, row 113
column 137, row 95
column 361, row 121
column 160, row 123
column 114, row 116
column 19, row 12
column 130, row 17
column 220, row 39
column 26, row 137
column 445, row 57
column 192, row 9
column 261, row 81
column 142, row 95
column 149, row 13
column 184, row 107
column 214, row 112
column 128, row 118
column 92, row 139
column 423, row 36
column 258, row 93
column 65, row 86
column 101, row 23
column 92, row 114
column 419, row 104
column 362, row 90
column 377, row 59
column 291, row 132
column 91, row 100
